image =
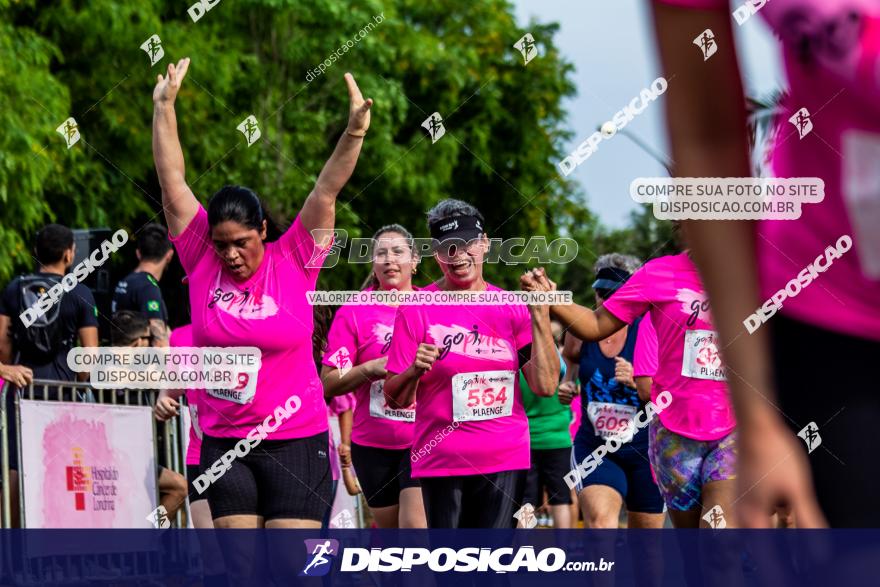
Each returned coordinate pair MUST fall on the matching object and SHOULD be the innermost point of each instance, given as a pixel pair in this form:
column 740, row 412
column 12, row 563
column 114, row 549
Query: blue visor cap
column 609, row 280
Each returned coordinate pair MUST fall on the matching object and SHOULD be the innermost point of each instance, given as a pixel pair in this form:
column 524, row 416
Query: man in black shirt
column 76, row 315
column 139, row 291
column 41, row 347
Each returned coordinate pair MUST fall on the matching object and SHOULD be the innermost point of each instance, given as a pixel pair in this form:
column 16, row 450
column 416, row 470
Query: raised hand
column 167, row 86
column 536, row 280
column 527, row 281
column 544, row 282
column 359, row 109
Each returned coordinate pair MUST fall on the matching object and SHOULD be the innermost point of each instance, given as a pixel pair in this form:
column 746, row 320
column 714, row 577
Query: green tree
column 504, row 122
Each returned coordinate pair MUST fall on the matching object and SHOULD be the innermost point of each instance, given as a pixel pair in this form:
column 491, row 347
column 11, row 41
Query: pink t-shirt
column 689, row 364
column 470, row 418
column 360, row 334
column 269, row 311
column 183, row 337
column 645, row 353
column 338, row 405
column 831, row 51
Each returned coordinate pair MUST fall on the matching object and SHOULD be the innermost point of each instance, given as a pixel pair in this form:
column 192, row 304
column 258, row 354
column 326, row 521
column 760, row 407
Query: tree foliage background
column 504, row 122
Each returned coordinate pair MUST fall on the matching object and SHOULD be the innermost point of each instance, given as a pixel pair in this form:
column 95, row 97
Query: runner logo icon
column 321, row 553
column 526, row 516
column 810, row 434
column 801, row 121
column 250, row 128
column 70, row 131
column 706, row 42
column 715, row 518
column 159, row 518
column 153, row 48
column 526, row 46
column 434, row 125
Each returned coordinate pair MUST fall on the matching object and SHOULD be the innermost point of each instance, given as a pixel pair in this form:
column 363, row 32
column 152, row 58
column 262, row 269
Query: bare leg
column 240, row 555
column 720, row 563
column 386, row 517
column 172, row 491
column 14, row 505
column 574, row 509
column 412, row 509
column 201, row 514
column 211, row 553
column 644, row 520
column 721, row 493
column 561, row 516
column 647, row 550
column 601, row 506
column 686, row 519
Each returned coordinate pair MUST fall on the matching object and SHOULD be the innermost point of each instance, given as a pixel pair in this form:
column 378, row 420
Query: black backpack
column 45, row 336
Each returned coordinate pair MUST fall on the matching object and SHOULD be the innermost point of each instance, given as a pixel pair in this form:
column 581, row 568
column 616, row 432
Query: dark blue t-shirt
column 598, row 386
column 139, row 292
column 78, row 310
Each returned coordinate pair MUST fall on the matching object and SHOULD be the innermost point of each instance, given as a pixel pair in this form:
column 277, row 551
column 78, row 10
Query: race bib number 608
column 482, row 396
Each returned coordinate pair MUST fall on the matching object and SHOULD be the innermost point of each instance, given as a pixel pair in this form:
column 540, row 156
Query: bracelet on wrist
column 359, row 136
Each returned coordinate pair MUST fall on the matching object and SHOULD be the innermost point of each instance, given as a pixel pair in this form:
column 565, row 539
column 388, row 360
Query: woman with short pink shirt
column 248, row 287
column 357, row 352
column 692, row 440
column 461, row 363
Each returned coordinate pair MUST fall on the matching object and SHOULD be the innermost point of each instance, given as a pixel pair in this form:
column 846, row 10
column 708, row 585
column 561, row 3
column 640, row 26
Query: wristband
column 351, row 134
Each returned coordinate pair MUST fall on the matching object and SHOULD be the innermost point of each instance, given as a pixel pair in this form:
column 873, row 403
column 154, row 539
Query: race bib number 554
column 482, row 396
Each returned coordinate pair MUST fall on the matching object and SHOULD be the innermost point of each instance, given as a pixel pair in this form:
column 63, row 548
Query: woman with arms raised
column 248, row 288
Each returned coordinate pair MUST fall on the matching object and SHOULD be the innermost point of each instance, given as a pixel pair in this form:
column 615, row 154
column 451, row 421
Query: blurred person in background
column 139, row 290
column 781, row 372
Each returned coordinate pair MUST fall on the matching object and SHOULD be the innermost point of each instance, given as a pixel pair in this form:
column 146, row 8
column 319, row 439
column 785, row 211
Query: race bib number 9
column 379, row 408
column 243, row 393
column 611, row 420
column 482, row 396
column 701, row 359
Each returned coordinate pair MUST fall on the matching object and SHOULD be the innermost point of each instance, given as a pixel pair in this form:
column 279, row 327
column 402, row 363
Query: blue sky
column 611, row 45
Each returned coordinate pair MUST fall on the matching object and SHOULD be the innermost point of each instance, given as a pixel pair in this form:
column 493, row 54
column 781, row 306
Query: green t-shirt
column 549, row 420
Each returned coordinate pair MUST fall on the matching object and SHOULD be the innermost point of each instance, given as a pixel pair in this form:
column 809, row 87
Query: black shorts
column 192, row 471
column 382, row 473
column 279, row 479
column 821, row 377
column 549, row 467
column 471, row 501
column 627, row 471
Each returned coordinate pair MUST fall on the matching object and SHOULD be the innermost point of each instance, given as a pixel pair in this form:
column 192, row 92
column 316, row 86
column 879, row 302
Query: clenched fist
column 425, row 357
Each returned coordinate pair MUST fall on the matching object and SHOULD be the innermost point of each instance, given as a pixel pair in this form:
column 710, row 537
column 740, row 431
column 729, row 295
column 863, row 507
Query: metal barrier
column 44, row 569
